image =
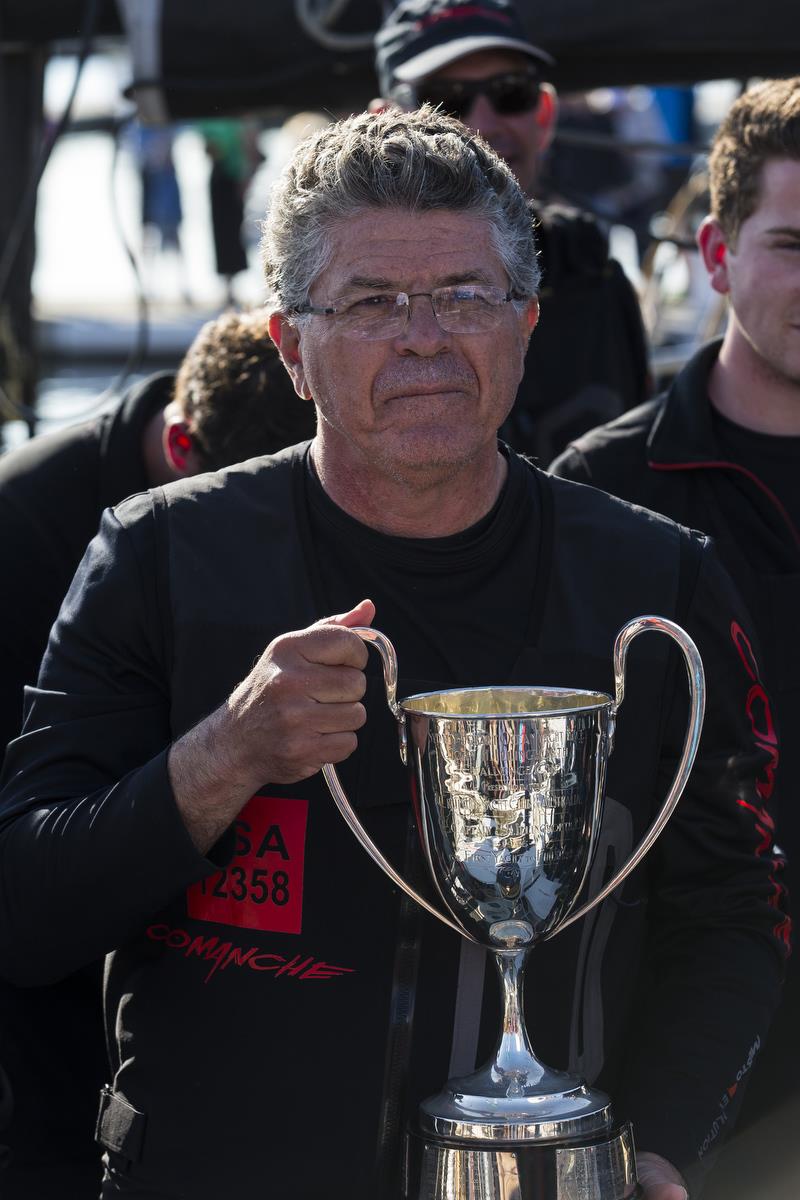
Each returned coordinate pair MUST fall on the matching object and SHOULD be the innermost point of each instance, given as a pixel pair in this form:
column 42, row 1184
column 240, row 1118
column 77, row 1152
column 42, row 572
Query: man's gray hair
column 418, row 162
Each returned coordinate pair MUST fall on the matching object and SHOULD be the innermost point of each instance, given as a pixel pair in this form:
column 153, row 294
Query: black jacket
column 663, row 455
column 248, row 993
column 587, row 359
column 52, row 494
column 53, row 491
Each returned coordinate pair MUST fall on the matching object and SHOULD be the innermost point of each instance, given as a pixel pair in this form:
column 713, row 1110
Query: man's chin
column 421, row 452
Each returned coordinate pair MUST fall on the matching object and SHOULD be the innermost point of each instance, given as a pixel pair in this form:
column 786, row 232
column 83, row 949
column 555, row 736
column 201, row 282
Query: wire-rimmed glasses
column 464, row 308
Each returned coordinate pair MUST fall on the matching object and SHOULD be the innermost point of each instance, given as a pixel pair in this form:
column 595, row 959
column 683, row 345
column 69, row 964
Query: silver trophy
column 509, row 788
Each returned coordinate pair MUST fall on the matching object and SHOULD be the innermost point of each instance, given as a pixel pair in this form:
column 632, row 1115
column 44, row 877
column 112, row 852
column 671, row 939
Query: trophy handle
column 389, row 660
column 697, row 688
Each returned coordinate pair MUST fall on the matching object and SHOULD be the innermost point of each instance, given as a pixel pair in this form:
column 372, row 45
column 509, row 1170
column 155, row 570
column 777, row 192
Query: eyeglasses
column 509, row 93
column 466, row 308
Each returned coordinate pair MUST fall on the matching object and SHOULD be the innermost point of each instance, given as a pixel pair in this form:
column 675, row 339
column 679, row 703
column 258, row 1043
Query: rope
column 315, row 17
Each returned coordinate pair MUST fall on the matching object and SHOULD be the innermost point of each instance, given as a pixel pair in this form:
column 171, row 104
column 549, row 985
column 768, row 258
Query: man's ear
column 178, row 445
column 530, row 316
column 546, row 115
column 714, row 249
column 287, row 340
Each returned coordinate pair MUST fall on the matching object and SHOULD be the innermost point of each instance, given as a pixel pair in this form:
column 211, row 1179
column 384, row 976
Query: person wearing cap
column 588, row 362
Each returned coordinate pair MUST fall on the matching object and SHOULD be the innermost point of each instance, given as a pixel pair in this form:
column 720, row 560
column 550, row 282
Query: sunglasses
column 510, row 93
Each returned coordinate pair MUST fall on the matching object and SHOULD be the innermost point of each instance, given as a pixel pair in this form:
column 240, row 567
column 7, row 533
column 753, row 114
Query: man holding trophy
column 277, row 1010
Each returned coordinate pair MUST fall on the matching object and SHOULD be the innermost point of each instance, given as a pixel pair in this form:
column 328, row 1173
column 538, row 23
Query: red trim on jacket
column 731, row 466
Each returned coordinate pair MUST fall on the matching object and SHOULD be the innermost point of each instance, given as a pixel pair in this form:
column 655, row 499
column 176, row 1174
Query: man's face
column 425, row 402
column 519, row 138
column 761, row 274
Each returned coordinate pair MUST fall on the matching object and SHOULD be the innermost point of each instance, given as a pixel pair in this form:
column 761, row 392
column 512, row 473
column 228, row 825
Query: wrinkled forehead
column 387, row 246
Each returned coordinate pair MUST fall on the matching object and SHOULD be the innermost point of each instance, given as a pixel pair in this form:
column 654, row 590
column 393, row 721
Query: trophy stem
column 515, row 1097
column 515, row 1063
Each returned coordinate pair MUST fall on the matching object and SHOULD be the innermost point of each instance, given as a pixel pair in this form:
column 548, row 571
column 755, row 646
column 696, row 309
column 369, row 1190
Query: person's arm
column 89, row 834
column 718, row 927
column 101, row 822
column 298, row 708
column 574, row 246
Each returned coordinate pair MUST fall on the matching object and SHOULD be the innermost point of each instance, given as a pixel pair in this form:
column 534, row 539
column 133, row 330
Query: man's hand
column 299, row 707
column 659, row 1179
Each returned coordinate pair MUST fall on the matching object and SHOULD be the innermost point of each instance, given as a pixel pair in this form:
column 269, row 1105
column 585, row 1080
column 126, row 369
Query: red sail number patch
column 263, row 886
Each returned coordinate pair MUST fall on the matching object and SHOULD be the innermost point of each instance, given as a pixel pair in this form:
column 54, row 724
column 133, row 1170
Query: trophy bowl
column 507, row 785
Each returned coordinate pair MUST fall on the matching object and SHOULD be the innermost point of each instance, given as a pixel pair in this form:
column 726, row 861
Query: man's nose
column 423, row 334
column 482, row 118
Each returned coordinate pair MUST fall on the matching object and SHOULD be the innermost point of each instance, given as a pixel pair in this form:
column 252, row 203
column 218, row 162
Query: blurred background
column 139, row 140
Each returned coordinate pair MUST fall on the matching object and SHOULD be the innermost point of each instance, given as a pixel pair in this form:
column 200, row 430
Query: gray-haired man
column 274, row 1013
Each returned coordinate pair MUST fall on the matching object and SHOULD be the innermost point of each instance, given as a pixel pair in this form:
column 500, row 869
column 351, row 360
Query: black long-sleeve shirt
column 248, row 993
column 53, row 491
column 678, row 457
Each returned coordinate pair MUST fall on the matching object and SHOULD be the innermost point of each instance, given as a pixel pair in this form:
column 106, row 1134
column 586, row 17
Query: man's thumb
column 362, row 614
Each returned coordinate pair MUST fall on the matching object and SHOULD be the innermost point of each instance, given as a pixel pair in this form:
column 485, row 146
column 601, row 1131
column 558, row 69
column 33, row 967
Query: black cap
column 419, row 37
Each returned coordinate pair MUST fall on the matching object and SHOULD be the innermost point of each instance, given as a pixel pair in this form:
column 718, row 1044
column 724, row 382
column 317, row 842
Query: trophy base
column 532, row 1103
column 600, row 1169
